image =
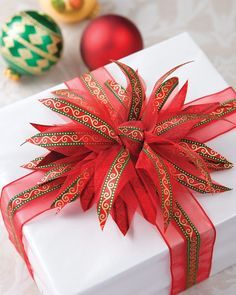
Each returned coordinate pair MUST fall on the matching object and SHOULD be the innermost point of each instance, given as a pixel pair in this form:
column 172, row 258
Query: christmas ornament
column 31, row 42
column 109, row 37
column 70, row 10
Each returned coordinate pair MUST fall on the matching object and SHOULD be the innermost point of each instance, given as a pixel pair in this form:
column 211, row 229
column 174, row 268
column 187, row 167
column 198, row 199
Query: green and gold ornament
column 31, row 43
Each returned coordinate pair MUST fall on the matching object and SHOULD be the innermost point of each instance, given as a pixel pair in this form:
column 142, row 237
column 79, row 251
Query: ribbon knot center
column 132, row 136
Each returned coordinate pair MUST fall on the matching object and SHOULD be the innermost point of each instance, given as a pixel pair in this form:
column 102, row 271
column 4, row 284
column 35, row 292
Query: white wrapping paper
column 69, row 253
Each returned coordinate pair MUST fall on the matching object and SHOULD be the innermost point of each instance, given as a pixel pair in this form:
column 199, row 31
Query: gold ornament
column 70, row 11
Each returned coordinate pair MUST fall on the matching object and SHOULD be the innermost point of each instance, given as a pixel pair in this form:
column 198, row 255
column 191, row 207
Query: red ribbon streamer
column 153, row 157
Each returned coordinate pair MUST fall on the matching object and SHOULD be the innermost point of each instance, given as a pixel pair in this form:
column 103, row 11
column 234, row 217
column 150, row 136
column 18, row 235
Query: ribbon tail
column 73, row 187
column 125, row 209
column 213, row 159
column 158, row 100
column 87, row 198
column 137, row 91
column 221, row 121
column 110, row 181
column 160, row 176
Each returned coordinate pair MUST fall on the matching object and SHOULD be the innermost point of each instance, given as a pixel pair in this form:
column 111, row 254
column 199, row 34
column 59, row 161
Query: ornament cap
column 59, row 6
column 12, row 74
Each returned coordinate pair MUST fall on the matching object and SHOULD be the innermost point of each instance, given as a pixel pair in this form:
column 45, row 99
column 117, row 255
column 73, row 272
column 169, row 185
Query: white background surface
column 211, row 23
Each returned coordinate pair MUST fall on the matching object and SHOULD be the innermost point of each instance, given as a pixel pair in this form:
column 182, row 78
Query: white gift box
column 69, row 253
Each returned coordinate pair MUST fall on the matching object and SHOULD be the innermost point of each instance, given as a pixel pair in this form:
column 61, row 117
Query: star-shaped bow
column 126, row 153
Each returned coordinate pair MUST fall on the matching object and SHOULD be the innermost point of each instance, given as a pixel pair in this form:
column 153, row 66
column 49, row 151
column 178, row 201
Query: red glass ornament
column 109, row 37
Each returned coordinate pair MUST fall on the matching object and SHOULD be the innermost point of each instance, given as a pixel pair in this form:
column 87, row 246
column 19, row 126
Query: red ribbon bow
column 124, row 152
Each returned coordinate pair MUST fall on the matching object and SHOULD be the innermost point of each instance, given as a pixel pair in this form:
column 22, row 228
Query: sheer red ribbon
column 125, row 153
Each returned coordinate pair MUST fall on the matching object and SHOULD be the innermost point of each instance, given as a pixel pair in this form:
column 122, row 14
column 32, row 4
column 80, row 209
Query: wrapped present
column 148, row 157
